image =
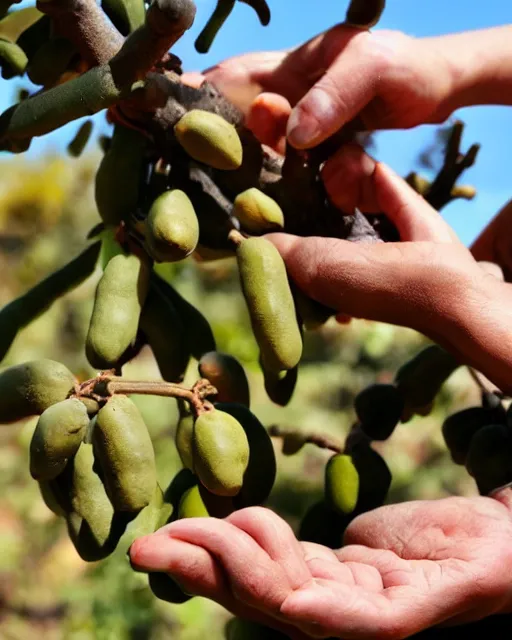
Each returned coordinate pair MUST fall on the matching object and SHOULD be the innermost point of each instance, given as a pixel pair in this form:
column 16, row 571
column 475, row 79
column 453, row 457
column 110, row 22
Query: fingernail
column 310, row 119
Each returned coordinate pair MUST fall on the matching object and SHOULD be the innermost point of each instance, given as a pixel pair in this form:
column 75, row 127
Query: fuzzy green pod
column 459, row 428
column 51, row 498
column 119, row 298
column 209, row 139
column 270, row 303
column 341, row 484
column 29, row 389
column 260, row 475
column 420, row 379
column 199, row 335
column 364, row 13
column 51, row 61
column 80, row 139
column 165, row 332
column 20, row 312
column 221, row 452
column 15, row 23
column 257, row 212
column 379, row 408
column 125, row 452
column 171, row 227
column 57, row 437
column 126, row 15
column 489, row 458
column 183, row 438
column 13, row 60
column 118, row 179
column 192, row 505
column 227, row 375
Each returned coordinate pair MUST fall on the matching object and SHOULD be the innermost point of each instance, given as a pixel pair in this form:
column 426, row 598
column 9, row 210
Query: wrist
column 482, row 330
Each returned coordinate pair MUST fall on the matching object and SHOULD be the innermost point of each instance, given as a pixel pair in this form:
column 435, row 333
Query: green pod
column 270, row 303
column 489, row 458
column 260, row 475
column 57, row 437
column 15, row 23
column 262, row 10
column 280, row 386
column 125, row 452
column 36, row 35
column 257, row 212
column 29, row 389
column 118, row 179
column 209, row 139
column 199, row 335
column 51, row 61
column 341, row 484
column 420, row 379
column 51, row 497
column 93, row 527
column 183, row 438
column 126, row 15
column 23, row 310
column 119, row 298
column 374, row 477
column 239, row 629
column 364, row 13
column 192, row 505
column 312, row 314
column 292, row 443
column 13, row 60
column 217, row 506
column 166, row 589
column 80, row 139
column 165, row 332
column 324, row 525
column 379, row 409
column 227, row 375
column 220, row 452
column 459, row 429
column 219, row 16
column 171, row 227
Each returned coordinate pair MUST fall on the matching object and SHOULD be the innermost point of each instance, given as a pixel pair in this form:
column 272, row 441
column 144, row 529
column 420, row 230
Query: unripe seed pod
column 257, row 212
column 280, row 386
column 171, row 228
column 51, row 498
column 199, row 335
column 92, row 524
column 182, row 481
column 421, row 379
column 227, row 375
column 260, row 474
column 80, row 140
column 29, row 389
column 184, row 435
column 341, row 484
column 489, row 458
column 292, row 444
column 57, row 437
column 221, row 452
column 192, row 505
column 51, row 61
column 118, row 179
column 209, row 139
column 166, row 589
column 459, row 429
column 379, row 409
column 120, row 295
column 13, row 60
column 364, row 13
column 165, row 332
column 270, row 303
column 374, row 477
column 125, row 451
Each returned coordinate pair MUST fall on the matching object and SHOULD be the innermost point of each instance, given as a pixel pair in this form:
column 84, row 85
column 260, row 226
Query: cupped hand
column 388, row 79
column 404, row 568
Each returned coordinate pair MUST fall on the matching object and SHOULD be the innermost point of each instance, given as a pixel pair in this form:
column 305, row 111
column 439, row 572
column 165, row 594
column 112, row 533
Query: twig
column 106, row 384
column 319, row 440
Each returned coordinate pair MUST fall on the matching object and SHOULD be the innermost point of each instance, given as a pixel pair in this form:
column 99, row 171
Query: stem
column 319, row 440
column 235, row 237
column 106, row 384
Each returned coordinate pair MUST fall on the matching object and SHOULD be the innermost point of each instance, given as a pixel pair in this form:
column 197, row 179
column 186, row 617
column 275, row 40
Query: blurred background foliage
column 47, row 591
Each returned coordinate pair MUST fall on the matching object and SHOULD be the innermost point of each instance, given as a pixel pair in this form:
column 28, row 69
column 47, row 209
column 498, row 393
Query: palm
column 403, row 568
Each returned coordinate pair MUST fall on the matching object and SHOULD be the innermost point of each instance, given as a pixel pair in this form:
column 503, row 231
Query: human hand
column 404, row 568
column 387, row 78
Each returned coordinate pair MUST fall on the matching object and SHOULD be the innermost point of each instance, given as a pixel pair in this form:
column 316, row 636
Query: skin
column 452, row 564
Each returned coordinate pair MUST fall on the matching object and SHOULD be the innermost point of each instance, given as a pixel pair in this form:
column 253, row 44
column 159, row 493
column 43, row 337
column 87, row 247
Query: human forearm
column 480, row 64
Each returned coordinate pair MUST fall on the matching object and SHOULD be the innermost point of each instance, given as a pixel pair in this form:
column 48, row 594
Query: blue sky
column 294, row 21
